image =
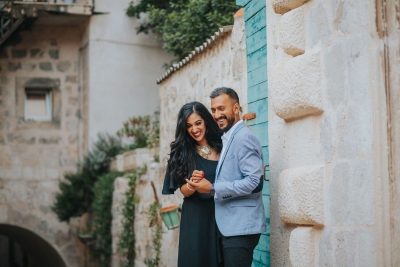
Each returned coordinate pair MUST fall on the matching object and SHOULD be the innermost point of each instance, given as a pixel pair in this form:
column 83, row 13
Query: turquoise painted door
column 256, row 50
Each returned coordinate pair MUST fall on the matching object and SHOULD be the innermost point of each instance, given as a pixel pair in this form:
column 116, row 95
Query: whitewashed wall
column 123, row 67
column 326, row 100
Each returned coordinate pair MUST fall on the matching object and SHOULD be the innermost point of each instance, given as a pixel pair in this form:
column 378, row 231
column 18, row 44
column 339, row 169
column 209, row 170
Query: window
column 38, row 104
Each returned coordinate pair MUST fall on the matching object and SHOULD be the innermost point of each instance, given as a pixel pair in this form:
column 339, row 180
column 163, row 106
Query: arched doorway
column 36, row 251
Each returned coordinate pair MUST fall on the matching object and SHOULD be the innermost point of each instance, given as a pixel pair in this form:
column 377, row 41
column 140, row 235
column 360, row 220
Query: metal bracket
column 265, row 178
column 249, row 116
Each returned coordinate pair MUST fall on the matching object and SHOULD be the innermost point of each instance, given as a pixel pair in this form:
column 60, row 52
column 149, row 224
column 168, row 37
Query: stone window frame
column 48, row 102
column 51, row 84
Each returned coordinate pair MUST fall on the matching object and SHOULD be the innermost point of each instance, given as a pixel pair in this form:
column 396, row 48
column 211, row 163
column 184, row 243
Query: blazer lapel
column 228, row 146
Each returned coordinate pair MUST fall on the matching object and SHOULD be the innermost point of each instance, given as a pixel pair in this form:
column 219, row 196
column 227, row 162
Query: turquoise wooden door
column 256, row 50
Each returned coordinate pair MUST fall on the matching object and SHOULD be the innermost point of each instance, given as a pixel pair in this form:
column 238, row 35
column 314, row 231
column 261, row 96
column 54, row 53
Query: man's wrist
column 212, row 190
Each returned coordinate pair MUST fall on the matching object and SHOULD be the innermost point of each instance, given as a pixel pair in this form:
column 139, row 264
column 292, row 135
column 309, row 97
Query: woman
column 197, row 146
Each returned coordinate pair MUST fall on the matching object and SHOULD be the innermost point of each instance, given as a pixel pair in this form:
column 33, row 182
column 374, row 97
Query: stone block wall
column 35, row 155
column 323, row 82
column 142, row 157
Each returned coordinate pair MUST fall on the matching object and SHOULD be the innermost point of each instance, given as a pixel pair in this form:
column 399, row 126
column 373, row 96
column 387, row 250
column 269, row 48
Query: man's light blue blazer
column 238, row 211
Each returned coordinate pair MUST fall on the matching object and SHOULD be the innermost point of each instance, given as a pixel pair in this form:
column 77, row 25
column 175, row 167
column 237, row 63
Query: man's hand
column 202, row 186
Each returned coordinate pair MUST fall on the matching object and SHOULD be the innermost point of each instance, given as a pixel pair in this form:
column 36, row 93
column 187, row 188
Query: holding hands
column 199, row 183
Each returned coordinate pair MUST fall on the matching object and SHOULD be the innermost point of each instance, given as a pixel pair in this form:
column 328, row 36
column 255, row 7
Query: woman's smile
column 196, row 128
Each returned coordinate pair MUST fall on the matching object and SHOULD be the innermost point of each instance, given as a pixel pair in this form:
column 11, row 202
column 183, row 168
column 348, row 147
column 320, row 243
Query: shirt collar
column 227, row 136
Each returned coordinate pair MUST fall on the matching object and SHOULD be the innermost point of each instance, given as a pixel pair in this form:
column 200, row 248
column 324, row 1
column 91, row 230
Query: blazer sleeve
column 250, row 164
column 170, row 184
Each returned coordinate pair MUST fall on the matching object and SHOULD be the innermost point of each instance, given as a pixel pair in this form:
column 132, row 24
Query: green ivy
column 127, row 241
column 101, row 220
column 155, row 220
column 182, row 25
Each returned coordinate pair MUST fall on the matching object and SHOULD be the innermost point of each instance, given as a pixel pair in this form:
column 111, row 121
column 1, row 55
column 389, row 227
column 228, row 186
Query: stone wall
column 139, row 158
column 389, row 23
column 325, row 84
column 35, row 155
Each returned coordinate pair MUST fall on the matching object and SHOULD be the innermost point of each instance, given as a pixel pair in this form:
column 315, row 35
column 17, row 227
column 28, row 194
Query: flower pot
column 170, row 217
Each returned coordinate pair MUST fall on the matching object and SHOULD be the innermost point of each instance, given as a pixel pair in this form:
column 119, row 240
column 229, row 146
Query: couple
column 221, row 179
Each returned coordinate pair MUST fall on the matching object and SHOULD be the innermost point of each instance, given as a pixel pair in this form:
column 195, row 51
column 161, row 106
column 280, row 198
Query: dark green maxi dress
column 199, row 235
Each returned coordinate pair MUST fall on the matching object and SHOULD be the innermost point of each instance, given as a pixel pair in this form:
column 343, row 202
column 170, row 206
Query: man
column 239, row 209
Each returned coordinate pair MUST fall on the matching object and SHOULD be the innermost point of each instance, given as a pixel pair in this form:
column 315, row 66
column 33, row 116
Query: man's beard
column 230, row 121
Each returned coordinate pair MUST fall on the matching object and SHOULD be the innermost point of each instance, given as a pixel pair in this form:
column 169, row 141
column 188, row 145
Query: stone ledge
column 296, row 88
column 132, row 159
column 300, row 195
column 283, row 6
column 302, row 247
column 292, row 33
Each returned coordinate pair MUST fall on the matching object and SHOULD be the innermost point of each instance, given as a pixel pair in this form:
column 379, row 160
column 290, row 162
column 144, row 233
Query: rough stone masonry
column 34, row 155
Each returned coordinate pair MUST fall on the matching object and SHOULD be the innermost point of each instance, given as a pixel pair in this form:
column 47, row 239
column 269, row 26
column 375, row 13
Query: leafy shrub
column 142, row 131
column 137, row 129
column 182, row 25
column 76, row 192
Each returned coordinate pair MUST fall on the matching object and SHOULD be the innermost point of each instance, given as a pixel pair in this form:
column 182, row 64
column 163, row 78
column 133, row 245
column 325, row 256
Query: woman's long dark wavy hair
column 183, row 150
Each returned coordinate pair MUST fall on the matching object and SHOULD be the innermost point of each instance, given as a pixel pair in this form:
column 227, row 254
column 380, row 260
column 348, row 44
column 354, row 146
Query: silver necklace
column 204, row 151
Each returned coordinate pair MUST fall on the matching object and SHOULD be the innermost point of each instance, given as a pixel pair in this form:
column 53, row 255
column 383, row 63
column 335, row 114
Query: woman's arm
column 187, row 190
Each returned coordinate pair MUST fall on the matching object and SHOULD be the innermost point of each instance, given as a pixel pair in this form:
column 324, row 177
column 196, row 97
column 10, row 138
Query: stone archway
column 39, row 250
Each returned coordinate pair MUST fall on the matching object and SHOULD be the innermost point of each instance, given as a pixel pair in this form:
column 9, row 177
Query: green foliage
column 127, row 241
column 153, row 139
column 143, row 131
column 101, row 220
column 76, row 192
column 137, row 128
column 155, row 220
column 183, row 25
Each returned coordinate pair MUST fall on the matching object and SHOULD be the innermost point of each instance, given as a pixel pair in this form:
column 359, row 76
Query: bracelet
column 187, row 185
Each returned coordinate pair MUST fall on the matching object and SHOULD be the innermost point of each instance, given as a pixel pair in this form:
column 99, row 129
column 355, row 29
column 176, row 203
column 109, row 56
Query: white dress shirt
column 225, row 140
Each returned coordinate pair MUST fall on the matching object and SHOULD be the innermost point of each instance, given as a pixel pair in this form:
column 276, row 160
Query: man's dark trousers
column 238, row 250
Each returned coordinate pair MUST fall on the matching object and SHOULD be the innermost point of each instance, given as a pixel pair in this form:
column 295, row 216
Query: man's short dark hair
column 225, row 90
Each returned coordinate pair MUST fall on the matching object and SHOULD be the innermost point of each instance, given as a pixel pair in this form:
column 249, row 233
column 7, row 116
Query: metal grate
column 8, row 24
column 5, row 6
column 68, row 2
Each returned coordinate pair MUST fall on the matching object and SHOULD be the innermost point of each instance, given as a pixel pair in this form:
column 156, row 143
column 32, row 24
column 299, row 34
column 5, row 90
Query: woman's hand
column 203, row 186
column 197, row 176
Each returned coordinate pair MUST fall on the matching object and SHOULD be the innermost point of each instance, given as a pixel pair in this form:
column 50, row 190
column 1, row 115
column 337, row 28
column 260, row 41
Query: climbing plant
column 182, row 25
column 101, row 219
column 127, row 241
column 154, row 219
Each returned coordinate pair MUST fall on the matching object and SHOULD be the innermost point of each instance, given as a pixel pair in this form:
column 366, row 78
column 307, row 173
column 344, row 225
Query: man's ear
column 236, row 108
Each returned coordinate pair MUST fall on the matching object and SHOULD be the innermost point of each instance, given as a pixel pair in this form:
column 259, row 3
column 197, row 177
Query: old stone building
column 65, row 76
